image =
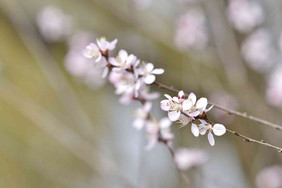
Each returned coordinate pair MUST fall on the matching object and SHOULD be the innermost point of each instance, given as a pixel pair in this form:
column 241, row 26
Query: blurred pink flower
column 53, row 24
column 274, row 88
column 187, row 158
column 245, row 15
column 191, row 31
column 270, row 177
column 258, row 51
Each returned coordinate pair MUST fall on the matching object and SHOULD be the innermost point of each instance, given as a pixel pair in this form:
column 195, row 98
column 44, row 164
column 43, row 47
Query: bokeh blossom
column 188, row 158
column 258, row 52
column 274, row 87
column 53, row 24
column 191, row 31
column 245, row 15
column 270, row 177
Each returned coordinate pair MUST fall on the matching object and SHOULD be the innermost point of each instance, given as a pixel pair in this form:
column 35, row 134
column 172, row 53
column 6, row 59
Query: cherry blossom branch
column 248, row 139
column 228, row 111
column 245, row 138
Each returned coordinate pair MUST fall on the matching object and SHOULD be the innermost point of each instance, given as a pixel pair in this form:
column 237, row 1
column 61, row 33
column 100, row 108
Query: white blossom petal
column 139, row 123
column 122, row 54
column 181, row 94
column 158, row 71
column 165, row 105
column 195, row 130
column 218, row 129
column 174, row 115
column 211, row 139
column 187, row 105
column 105, row 72
column 149, row 67
column 167, row 96
column 165, row 123
column 184, row 120
column 193, row 98
column 149, row 78
column 202, row 103
column 209, row 108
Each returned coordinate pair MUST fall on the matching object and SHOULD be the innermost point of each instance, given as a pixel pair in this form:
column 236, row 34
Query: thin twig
column 248, row 139
column 228, row 111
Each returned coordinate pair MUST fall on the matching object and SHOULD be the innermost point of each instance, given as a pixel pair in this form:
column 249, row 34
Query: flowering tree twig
column 247, row 139
column 229, row 111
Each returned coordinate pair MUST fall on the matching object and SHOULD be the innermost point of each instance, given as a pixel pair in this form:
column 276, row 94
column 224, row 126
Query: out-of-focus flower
column 187, row 158
column 216, row 129
column 106, row 46
column 92, row 51
column 245, row 15
column 258, row 52
column 53, row 24
column 126, row 83
column 274, row 88
column 79, row 66
column 123, row 61
column 156, row 130
column 99, row 51
column 270, row 177
column 191, row 31
column 141, row 115
column 147, row 71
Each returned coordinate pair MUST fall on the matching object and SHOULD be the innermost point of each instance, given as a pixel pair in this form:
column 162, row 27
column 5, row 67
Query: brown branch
column 248, row 139
column 228, row 111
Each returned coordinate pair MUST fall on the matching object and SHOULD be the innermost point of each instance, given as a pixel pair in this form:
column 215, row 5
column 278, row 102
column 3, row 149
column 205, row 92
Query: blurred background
column 62, row 126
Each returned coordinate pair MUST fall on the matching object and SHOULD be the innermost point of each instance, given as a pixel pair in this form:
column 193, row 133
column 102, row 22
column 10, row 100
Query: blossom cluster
column 188, row 110
column 131, row 78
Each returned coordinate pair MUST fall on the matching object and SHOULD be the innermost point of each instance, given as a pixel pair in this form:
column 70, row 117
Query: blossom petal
column 218, row 129
column 167, row 96
column 193, row 98
column 181, row 94
column 138, row 123
column 174, row 115
column 187, row 105
column 123, row 55
column 158, row 71
column 195, row 130
column 149, row 78
column 147, row 106
column 184, row 120
column 209, row 108
column 211, row 139
column 194, row 114
column 202, row 103
column 165, row 123
column 112, row 44
column 105, row 72
column 149, row 67
column 165, row 105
